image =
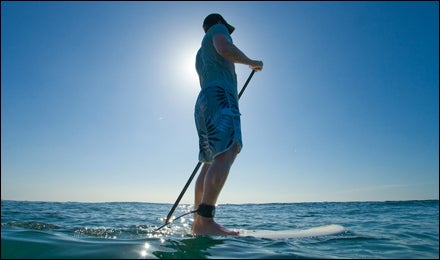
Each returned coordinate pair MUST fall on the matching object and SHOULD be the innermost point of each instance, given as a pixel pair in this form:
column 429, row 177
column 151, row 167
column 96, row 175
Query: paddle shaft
column 200, row 163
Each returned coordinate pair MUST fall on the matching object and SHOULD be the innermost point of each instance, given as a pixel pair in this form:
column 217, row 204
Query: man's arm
column 229, row 51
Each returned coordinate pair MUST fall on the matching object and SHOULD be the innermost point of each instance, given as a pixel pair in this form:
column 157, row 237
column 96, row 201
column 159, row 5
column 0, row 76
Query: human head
column 213, row 19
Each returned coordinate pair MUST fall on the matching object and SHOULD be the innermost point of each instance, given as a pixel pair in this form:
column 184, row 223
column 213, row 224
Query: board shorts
column 217, row 119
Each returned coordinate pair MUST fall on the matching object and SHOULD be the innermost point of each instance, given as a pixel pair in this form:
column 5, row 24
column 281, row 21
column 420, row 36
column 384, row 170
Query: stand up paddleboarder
column 217, row 118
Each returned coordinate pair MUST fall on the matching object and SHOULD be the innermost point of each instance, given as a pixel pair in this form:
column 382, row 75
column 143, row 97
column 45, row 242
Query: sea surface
column 389, row 229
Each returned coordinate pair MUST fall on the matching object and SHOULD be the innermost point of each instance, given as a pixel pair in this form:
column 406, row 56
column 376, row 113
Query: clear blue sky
column 97, row 100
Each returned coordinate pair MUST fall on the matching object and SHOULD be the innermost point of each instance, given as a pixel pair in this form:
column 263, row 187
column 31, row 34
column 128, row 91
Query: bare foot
column 207, row 226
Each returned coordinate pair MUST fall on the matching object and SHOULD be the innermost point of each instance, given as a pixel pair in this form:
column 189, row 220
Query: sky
column 97, row 101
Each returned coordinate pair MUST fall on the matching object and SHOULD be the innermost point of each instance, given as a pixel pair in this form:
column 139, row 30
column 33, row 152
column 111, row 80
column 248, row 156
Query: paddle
column 197, row 167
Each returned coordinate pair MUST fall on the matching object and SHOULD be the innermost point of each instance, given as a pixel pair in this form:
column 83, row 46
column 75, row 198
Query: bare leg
column 199, row 188
column 214, row 179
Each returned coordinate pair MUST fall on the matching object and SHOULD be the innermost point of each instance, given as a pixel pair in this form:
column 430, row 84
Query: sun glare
column 188, row 67
column 187, row 80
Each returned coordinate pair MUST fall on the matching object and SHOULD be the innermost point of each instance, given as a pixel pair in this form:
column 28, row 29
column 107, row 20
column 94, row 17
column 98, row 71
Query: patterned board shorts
column 217, row 118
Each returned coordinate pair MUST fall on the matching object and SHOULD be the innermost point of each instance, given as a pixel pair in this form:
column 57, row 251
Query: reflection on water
column 195, row 247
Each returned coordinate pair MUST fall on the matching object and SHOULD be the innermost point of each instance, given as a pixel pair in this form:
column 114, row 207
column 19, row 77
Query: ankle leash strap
column 205, row 210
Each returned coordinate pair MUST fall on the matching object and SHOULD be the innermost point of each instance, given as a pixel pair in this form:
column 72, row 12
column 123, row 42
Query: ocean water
column 390, row 229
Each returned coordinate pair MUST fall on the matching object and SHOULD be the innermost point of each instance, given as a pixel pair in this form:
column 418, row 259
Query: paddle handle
column 246, row 83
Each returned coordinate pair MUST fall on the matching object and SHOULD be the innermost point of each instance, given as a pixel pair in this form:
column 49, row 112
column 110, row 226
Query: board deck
column 326, row 230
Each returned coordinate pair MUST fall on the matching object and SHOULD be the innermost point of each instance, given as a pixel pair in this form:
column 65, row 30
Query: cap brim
column 230, row 28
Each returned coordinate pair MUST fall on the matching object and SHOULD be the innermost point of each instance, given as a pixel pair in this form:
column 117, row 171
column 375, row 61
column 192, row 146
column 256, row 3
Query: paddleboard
column 326, row 230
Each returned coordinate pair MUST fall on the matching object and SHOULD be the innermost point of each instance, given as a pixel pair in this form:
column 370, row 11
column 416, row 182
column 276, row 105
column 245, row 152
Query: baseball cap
column 212, row 19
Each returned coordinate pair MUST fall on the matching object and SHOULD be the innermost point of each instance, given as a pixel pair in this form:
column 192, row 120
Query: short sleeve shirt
column 212, row 68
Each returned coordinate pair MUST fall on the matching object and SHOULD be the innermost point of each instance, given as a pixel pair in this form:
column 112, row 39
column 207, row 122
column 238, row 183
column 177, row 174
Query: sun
column 189, row 73
column 186, row 76
column 181, row 60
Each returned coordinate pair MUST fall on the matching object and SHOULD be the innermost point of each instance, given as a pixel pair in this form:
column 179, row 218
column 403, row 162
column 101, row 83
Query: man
column 217, row 118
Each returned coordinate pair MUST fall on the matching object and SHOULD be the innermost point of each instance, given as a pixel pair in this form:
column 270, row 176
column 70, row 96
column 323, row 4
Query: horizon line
column 246, row 203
